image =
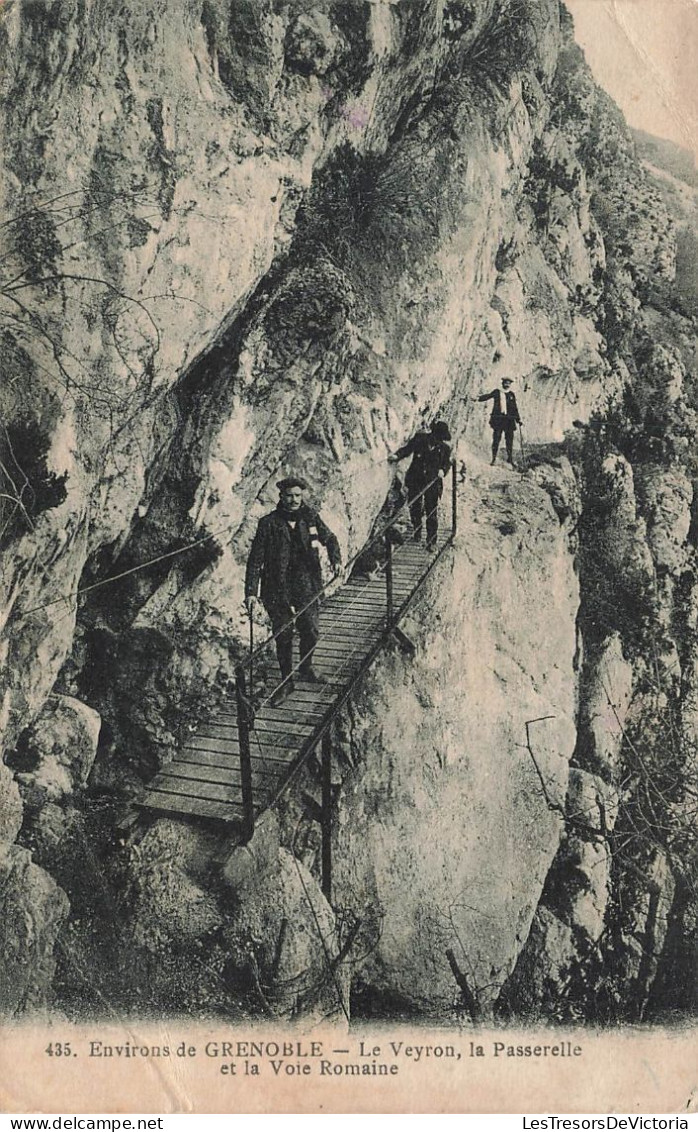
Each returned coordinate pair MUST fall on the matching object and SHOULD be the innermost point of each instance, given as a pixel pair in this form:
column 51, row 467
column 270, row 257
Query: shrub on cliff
column 505, row 45
column 27, row 486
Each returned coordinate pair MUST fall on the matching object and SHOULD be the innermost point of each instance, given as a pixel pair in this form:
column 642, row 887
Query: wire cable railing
column 255, row 651
column 393, row 609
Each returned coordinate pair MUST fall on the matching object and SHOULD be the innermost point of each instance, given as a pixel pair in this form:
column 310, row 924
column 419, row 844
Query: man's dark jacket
column 429, row 457
column 271, row 550
column 502, row 416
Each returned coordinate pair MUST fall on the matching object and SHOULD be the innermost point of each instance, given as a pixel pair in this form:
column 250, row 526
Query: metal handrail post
column 243, row 706
column 327, row 816
column 389, row 603
column 454, row 493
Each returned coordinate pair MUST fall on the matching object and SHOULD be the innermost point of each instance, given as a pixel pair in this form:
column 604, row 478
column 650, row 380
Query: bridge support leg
column 326, row 821
column 408, row 646
column 244, row 719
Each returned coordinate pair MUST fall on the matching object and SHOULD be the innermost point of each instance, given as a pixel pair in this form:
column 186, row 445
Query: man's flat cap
column 292, row 481
column 441, row 430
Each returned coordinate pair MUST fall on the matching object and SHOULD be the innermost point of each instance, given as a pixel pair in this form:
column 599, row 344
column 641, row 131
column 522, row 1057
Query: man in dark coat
column 431, row 459
column 504, row 417
column 283, row 570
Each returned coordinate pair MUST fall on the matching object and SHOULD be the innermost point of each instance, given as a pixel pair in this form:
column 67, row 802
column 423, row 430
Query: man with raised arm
column 283, row 571
column 504, row 416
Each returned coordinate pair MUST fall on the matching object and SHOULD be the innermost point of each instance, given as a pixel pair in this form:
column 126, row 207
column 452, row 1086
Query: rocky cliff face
column 244, row 239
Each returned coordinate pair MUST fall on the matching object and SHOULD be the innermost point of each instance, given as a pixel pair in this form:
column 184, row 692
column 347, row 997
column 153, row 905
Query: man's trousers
column 508, row 430
column 302, row 610
column 424, row 501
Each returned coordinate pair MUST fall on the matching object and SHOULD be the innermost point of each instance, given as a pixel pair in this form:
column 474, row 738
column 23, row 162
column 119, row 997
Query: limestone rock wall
column 446, row 835
column 249, row 238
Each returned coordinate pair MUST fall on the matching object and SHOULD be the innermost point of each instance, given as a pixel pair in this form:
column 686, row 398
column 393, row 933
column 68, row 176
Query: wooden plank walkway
column 203, row 780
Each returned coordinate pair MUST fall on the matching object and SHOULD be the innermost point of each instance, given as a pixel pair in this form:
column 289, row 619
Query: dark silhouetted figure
column 283, row 568
column 431, row 459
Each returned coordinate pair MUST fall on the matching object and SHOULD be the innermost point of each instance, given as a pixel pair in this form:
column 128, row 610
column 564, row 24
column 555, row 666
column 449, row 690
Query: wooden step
column 305, row 694
column 262, row 775
column 347, row 629
column 340, row 647
column 194, row 807
column 261, row 755
column 284, row 726
column 228, row 733
column 367, row 601
column 210, row 791
column 227, row 746
column 267, row 730
column 306, row 715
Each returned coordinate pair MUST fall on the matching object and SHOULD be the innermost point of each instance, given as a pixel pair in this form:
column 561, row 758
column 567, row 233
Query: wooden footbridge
column 237, row 764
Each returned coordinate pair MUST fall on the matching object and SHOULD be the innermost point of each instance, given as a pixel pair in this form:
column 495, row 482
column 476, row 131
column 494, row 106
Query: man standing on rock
column 504, row 416
column 283, row 569
column 431, row 459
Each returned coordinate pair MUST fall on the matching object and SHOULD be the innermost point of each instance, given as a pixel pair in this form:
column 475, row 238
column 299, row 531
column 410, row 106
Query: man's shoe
column 431, row 547
column 312, row 676
column 283, row 692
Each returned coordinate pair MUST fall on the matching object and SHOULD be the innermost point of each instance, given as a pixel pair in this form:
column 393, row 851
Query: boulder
column 537, row 985
column 285, row 939
column 311, row 43
column 55, row 755
column 32, row 911
column 253, row 864
column 170, row 909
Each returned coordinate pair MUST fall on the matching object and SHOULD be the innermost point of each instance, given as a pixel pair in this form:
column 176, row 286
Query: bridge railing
column 244, row 673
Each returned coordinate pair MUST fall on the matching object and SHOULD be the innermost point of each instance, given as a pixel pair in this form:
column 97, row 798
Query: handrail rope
column 336, row 671
column 132, row 570
column 149, row 562
column 310, row 652
column 253, row 731
column 346, row 660
column 350, row 562
column 364, row 471
column 381, row 569
column 344, row 663
column 72, row 597
column 274, row 636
